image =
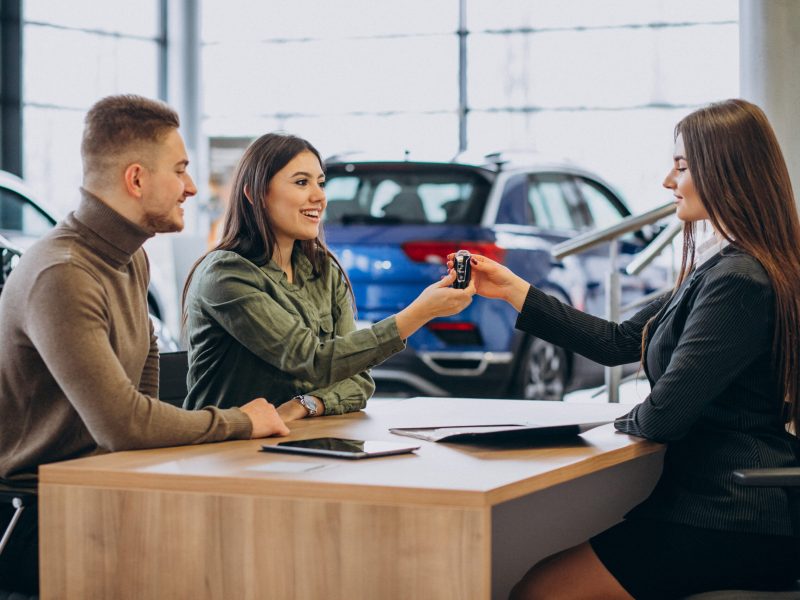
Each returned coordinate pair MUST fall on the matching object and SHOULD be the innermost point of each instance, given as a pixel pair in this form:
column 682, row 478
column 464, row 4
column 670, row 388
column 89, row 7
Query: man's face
column 167, row 185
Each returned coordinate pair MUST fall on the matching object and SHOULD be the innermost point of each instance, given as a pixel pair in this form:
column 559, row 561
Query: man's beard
column 162, row 223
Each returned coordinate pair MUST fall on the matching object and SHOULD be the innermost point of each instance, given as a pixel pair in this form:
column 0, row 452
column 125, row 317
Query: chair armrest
column 789, row 477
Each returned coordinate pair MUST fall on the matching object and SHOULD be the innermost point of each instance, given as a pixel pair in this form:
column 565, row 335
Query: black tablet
column 340, row 447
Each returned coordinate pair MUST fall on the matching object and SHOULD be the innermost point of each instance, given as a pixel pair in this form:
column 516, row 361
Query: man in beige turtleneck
column 78, row 357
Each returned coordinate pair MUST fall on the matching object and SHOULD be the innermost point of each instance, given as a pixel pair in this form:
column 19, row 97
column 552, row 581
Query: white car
column 24, row 219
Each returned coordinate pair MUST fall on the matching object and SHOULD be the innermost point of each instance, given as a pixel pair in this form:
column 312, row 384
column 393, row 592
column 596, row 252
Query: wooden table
column 451, row 521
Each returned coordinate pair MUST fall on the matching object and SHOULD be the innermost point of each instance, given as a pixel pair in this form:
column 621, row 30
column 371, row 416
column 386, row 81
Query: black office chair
column 19, row 499
column 786, row 478
column 15, row 596
column 173, row 368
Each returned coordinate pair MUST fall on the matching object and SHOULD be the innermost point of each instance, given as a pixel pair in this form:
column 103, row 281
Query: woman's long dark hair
column 741, row 176
column 248, row 229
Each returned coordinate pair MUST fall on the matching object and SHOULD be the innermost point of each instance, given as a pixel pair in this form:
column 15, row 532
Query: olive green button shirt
column 253, row 334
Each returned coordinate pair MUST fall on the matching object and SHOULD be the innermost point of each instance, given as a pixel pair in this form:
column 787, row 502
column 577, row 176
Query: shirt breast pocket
column 326, row 327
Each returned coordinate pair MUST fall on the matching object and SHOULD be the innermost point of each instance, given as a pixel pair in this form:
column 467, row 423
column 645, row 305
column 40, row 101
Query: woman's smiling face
column 679, row 180
column 296, row 199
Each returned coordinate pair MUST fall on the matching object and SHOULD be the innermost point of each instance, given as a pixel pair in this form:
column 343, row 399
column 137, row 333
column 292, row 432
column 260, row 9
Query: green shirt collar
column 303, row 269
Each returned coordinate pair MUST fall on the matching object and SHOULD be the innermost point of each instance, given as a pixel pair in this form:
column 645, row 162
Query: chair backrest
column 336, row 209
column 787, row 478
column 746, row 595
column 406, row 206
column 173, row 368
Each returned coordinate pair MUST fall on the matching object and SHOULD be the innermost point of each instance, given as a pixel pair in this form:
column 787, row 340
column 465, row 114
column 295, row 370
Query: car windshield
column 413, row 194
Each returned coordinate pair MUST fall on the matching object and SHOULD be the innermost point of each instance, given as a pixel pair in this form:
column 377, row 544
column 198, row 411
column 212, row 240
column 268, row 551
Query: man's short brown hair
column 116, row 125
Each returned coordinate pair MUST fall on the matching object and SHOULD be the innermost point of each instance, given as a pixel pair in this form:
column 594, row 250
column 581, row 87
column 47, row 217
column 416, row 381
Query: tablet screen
column 341, row 447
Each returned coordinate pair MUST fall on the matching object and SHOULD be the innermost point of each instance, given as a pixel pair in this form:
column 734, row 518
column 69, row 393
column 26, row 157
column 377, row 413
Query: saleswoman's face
column 689, row 207
column 296, row 199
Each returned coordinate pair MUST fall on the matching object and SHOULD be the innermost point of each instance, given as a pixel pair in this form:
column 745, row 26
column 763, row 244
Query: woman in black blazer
column 721, row 353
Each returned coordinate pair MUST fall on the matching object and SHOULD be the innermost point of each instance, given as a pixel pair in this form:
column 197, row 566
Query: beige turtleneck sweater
column 78, row 358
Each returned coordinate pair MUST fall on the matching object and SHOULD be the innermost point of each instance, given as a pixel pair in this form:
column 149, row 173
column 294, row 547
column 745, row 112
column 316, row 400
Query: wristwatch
column 308, row 404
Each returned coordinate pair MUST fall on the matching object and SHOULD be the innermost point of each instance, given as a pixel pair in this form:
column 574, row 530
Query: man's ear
column 134, row 175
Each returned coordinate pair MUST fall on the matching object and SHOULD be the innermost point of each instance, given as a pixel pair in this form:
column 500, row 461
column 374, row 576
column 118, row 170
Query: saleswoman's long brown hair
column 741, row 176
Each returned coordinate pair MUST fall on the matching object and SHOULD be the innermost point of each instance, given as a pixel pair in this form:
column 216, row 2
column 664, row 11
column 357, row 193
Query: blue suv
column 392, row 223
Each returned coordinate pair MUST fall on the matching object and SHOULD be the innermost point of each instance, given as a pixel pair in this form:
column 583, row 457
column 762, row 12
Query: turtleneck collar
column 117, row 238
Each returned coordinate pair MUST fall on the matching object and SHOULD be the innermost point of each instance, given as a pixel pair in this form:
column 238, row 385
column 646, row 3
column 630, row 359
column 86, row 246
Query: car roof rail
column 504, row 159
column 479, row 159
column 343, row 156
column 404, row 155
column 522, row 157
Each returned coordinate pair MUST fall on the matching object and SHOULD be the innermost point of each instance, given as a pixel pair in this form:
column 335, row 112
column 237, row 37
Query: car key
column 463, row 267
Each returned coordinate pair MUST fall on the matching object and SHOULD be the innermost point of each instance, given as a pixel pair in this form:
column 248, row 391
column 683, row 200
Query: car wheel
column 542, row 372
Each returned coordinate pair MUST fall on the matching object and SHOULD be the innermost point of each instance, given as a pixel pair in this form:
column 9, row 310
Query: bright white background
column 601, row 82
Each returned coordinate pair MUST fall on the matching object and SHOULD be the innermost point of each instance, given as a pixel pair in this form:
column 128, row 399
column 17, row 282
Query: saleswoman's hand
column 493, row 280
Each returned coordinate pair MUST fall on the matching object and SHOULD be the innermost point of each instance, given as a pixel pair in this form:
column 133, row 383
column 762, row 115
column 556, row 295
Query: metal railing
column 611, row 235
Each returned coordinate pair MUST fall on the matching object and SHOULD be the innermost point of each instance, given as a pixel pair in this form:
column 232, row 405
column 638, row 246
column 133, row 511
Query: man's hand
column 265, row 419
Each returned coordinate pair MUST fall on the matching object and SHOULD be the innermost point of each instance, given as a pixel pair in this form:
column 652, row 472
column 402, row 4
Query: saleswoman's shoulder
column 736, row 262
column 736, row 269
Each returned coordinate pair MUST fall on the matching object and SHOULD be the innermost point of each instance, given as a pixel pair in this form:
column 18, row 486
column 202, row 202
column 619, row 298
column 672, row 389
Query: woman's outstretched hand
column 493, row 280
column 436, row 300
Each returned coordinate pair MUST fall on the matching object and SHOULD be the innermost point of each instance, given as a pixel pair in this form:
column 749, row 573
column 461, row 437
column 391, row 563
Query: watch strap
column 308, row 404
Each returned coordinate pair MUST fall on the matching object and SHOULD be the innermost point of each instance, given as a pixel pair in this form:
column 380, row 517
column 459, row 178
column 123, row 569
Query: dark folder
column 497, row 433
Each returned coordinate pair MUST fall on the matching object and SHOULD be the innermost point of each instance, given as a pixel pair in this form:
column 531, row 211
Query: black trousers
column 19, row 562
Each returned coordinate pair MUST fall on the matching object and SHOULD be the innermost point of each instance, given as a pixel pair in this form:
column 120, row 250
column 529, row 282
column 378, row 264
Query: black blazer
column 715, row 395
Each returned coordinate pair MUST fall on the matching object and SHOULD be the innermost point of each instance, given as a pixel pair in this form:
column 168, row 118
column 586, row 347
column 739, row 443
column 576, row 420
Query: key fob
column 463, row 269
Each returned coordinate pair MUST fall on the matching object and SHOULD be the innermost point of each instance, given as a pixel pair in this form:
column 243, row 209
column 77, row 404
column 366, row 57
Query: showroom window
column 73, row 54
column 601, row 83
column 568, row 78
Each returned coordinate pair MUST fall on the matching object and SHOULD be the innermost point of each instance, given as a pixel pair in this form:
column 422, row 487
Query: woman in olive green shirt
column 269, row 310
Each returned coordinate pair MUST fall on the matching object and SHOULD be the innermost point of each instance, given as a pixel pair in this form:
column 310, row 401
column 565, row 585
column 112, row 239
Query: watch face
column 308, row 403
